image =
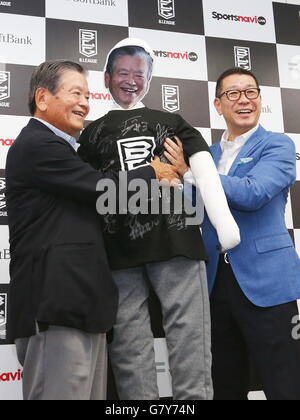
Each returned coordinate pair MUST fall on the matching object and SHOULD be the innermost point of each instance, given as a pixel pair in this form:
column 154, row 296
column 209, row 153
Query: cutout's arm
column 208, row 181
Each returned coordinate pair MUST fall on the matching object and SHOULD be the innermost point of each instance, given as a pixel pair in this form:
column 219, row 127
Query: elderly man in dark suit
column 62, row 297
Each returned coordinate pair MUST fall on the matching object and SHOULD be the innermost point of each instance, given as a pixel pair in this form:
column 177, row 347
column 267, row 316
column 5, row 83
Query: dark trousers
column 240, row 331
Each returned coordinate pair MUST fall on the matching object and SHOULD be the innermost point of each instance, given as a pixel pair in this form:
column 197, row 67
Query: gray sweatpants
column 181, row 286
column 63, row 364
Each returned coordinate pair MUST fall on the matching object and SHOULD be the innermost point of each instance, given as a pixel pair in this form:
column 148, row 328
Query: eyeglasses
column 234, row 95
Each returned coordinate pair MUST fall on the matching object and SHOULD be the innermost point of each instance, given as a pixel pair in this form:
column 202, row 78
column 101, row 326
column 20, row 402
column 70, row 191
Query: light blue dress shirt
column 70, row 139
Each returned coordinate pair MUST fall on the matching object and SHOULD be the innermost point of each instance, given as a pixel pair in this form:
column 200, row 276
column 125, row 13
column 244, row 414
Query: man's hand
column 174, row 153
column 164, row 171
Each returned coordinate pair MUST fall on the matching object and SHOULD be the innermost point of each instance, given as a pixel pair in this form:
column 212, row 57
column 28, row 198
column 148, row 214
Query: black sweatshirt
column 122, row 141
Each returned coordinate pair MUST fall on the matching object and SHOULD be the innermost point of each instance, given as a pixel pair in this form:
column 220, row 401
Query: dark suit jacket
column 59, row 270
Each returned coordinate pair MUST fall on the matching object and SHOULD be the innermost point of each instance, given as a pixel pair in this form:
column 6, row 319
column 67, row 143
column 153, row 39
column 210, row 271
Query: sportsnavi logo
column 238, row 18
column 192, row 56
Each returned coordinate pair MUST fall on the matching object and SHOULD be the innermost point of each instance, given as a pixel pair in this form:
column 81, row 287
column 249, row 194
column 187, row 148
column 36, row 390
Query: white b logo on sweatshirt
column 135, row 152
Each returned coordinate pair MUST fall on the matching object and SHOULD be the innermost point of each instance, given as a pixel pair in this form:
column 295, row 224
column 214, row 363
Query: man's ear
column 218, row 106
column 106, row 79
column 41, row 99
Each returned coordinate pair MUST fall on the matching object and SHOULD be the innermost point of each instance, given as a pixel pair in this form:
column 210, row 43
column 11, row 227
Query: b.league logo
column 3, row 315
column 242, row 57
column 135, row 152
column 4, row 85
column 166, row 9
column 170, row 98
column 88, row 43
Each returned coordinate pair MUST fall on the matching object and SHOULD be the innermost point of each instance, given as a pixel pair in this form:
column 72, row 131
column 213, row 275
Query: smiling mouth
column 127, row 90
column 80, row 114
column 244, row 112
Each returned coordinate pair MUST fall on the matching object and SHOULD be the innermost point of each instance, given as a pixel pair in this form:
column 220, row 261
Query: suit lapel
column 216, row 153
column 33, row 123
column 248, row 148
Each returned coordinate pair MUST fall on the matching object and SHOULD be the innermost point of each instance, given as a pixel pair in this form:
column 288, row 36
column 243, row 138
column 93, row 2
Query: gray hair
column 132, row 50
column 47, row 75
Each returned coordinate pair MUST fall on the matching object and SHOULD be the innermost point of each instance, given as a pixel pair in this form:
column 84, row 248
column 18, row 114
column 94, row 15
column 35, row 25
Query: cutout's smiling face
column 129, row 82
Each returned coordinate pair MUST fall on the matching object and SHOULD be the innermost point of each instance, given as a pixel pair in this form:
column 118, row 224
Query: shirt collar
column 240, row 140
column 117, row 107
column 70, row 139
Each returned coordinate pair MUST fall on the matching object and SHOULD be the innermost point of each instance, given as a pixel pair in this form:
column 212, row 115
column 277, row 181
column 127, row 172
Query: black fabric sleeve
column 87, row 149
column 192, row 140
column 58, row 170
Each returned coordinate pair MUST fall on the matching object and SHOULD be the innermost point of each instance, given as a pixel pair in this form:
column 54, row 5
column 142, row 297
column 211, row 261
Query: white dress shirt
column 230, row 150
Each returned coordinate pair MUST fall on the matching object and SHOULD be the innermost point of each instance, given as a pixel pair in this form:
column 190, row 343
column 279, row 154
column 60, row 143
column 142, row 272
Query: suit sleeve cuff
column 145, row 172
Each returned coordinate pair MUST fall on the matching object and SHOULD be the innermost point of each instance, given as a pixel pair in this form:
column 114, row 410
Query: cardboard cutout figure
column 157, row 248
column 135, row 63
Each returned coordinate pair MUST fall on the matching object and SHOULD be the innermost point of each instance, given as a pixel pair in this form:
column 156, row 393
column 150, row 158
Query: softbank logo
column 238, row 18
column 11, row 377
